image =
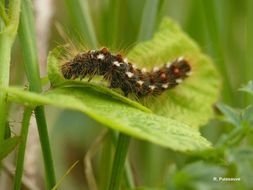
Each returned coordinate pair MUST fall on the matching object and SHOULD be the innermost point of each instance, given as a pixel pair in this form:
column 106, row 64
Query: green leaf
column 7, row 146
column 232, row 115
column 247, row 115
column 236, row 117
column 117, row 115
column 197, row 175
column 248, row 87
column 190, row 102
column 242, row 158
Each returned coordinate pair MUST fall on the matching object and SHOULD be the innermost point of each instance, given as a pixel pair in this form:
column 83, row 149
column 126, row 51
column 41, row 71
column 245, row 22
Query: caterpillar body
column 124, row 75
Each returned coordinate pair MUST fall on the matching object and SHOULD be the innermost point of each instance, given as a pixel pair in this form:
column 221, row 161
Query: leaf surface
column 190, row 102
column 7, row 146
column 117, row 115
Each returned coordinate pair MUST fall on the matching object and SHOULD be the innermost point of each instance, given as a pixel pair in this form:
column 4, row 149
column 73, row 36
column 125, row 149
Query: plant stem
column 7, row 36
column 21, row 151
column 5, row 51
column 30, row 56
column 45, row 146
column 128, row 175
column 105, row 162
column 119, row 161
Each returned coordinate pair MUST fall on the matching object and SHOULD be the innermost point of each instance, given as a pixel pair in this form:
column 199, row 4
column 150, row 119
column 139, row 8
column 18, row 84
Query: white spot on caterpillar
column 168, row 65
column 155, row 69
column 165, row 85
column 134, row 66
column 144, row 70
column 179, row 81
column 125, row 60
column 129, row 74
column 152, row 87
column 92, row 51
column 116, row 63
column 189, row 73
column 140, row 82
column 100, row 56
column 180, row 59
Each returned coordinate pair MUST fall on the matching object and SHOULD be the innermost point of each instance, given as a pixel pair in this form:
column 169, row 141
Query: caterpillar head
column 181, row 68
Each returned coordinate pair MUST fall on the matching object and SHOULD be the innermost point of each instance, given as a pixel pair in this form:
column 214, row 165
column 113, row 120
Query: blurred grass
column 79, row 13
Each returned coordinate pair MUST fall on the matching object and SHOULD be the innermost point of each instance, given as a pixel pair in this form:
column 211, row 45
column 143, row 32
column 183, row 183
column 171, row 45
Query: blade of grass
column 102, row 26
column 30, row 56
column 233, row 35
column 161, row 9
column 109, row 145
column 119, row 161
column 212, row 26
column 148, row 19
column 79, row 12
column 3, row 14
column 195, row 21
column 249, row 45
column 89, row 173
column 112, row 11
column 128, row 176
column 21, row 150
column 249, row 39
column 114, row 15
column 105, row 162
column 67, row 172
column 7, row 36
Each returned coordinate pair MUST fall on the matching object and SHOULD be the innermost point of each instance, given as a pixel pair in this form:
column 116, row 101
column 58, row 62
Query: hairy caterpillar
column 124, row 75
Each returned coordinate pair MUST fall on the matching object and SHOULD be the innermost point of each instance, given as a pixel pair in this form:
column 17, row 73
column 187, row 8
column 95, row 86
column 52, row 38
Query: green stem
column 22, row 146
column 45, row 146
column 119, row 161
column 105, row 161
column 30, row 56
column 128, row 175
column 5, row 51
column 7, row 36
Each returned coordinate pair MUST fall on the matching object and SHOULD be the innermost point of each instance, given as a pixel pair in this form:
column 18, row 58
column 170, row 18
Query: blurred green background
column 222, row 28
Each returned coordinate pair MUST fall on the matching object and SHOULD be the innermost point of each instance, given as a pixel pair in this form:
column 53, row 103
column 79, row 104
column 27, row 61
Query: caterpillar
column 124, row 75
